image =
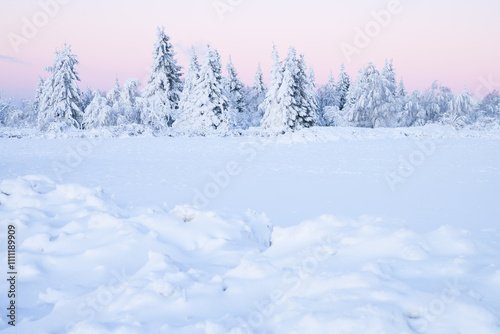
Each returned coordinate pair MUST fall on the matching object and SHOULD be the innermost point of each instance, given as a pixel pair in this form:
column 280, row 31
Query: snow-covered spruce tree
column 390, row 76
column 187, row 112
column 271, row 101
column 99, row 113
column 87, row 97
column 342, row 88
column 61, row 104
column 308, row 96
column 371, row 101
column 312, row 76
column 39, row 95
column 163, row 89
column 210, row 109
column 113, row 96
column 460, row 109
column 236, row 95
column 296, row 107
column 128, row 107
column 401, row 92
column 256, row 95
column 328, row 99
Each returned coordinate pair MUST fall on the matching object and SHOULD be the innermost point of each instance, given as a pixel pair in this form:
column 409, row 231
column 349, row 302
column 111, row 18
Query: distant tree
column 187, row 104
column 390, row 75
column 236, row 95
column 435, row 102
column 460, row 109
column 164, row 87
column 113, row 96
column 87, row 97
column 296, row 106
column 308, row 96
column 61, row 103
column 256, row 95
column 371, row 101
column 413, row 112
column 99, row 113
column 327, row 98
column 39, row 95
column 343, row 85
column 271, row 101
column 402, row 89
column 6, row 111
column 211, row 108
column 488, row 112
column 129, row 103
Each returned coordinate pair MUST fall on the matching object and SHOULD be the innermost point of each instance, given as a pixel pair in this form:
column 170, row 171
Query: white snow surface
column 306, row 232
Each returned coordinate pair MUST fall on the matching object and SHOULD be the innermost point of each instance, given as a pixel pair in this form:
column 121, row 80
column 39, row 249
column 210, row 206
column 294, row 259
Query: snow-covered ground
column 328, row 230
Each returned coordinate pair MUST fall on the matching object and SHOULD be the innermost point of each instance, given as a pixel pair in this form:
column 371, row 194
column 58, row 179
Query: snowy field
column 326, row 230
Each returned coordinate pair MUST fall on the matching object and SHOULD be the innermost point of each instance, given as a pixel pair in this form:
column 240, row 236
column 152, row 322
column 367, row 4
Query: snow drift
column 88, row 265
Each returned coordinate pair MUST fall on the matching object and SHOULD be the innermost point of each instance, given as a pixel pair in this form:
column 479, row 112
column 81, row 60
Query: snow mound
column 88, row 265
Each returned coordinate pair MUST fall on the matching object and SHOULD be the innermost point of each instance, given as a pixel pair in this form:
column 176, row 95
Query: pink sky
column 454, row 41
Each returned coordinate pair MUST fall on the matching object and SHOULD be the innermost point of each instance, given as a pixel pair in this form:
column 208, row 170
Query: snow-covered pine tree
column 296, row 107
column 312, row 76
column 308, row 96
column 328, row 98
column 371, row 102
column 270, row 103
column 87, row 97
column 256, row 95
column 61, row 103
column 343, row 85
column 210, row 109
column 236, row 95
column 187, row 112
column 164, row 87
column 401, row 92
column 113, row 96
column 99, row 113
column 129, row 103
column 390, row 75
column 283, row 113
column 39, row 95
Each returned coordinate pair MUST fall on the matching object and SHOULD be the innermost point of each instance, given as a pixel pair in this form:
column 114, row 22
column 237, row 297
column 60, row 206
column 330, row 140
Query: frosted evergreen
column 164, row 87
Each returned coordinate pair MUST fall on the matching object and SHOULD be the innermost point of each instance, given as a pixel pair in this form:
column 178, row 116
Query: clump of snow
column 90, row 265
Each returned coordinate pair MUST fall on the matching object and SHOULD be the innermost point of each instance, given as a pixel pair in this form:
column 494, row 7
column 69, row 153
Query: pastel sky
column 454, row 41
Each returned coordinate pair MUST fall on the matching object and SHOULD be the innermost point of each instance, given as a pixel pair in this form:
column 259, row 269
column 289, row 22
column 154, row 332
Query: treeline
column 206, row 101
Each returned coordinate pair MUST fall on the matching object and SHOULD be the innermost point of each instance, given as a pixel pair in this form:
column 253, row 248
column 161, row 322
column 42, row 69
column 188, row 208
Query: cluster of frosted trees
column 206, row 101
